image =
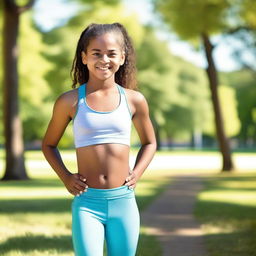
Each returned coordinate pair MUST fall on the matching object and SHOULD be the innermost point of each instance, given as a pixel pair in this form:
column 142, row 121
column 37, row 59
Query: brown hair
column 125, row 76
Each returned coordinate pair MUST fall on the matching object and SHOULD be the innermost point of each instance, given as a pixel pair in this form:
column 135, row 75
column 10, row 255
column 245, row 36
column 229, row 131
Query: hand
column 131, row 180
column 75, row 184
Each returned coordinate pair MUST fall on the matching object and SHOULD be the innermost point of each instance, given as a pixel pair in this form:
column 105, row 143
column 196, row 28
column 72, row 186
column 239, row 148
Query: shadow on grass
column 53, row 205
column 33, row 183
column 234, row 224
column 148, row 246
column 241, row 243
column 57, row 205
column 62, row 244
column 217, row 212
column 30, row 242
column 221, row 182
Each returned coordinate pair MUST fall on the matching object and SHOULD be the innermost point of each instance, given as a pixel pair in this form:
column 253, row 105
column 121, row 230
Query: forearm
column 53, row 157
column 143, row 158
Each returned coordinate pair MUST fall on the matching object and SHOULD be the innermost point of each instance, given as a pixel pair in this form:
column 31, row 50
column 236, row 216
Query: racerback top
column 91, row 127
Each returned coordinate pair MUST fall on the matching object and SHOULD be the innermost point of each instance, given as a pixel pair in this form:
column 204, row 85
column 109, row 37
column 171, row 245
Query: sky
column 47, row 17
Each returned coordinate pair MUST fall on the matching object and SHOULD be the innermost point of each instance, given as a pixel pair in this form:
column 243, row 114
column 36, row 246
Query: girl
column 102, row 108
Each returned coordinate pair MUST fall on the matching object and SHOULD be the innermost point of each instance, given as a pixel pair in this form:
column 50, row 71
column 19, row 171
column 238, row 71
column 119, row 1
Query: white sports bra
column 91, row 127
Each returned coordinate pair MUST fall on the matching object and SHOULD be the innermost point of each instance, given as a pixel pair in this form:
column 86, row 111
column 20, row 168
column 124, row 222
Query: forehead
column 107, row 41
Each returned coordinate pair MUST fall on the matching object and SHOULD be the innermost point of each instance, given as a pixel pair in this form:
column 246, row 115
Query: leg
column 122, row 228
column 87, row 233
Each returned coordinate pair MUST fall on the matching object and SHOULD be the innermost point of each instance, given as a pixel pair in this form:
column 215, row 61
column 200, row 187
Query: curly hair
column 126, row 74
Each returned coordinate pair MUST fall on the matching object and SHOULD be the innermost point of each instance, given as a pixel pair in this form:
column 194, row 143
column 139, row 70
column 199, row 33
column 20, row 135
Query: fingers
column 82, row 178
column 131, row 181
column 79, row 186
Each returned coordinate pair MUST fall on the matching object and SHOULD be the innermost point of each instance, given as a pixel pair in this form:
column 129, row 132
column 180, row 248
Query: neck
column 101, row 84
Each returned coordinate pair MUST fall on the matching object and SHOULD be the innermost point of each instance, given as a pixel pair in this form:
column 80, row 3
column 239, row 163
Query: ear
column 122, row 58
column 84, row 57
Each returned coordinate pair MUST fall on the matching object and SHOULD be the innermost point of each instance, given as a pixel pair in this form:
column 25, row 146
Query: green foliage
column 191, row 18
column 229, row 108
column 176, row 90
column 1, row 74
column 33, row 90
column 244, row 84
column 248, row 9
column 228, row 101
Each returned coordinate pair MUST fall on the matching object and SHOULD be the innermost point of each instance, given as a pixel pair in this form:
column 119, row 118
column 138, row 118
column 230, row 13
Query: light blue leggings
column 105, row 214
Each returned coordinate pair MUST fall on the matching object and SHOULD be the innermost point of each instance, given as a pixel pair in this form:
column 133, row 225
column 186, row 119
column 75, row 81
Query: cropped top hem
column 102, row 142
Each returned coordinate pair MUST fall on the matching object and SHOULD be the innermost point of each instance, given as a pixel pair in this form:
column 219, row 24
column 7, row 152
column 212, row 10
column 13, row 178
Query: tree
column 172, row 85
column 192, row 19
column 243, row 82
column 14, row 146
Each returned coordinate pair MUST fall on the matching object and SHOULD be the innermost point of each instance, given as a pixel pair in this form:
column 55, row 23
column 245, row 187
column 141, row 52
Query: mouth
column 103, row 68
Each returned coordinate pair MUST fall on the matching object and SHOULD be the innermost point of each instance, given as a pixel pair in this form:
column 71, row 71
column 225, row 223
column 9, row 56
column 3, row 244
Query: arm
column 58, row 123
column 146, row 134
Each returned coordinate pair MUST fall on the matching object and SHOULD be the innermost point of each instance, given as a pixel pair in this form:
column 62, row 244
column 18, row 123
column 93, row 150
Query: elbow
column 154, row 145
column 46, row 146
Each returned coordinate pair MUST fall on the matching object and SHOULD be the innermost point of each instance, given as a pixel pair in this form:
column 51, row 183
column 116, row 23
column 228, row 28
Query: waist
column 111, row 193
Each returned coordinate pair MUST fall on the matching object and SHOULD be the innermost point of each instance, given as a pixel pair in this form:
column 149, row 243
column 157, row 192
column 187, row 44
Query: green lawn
column 227, row 209
column 35, row 215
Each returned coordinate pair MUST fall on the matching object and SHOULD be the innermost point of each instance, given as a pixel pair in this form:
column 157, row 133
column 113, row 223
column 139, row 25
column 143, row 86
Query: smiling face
column 103, row 56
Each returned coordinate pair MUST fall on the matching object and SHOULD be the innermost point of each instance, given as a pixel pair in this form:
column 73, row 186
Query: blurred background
column 171, row 65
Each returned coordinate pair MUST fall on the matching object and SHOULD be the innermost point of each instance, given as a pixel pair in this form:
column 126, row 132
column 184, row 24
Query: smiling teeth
column 101, row 68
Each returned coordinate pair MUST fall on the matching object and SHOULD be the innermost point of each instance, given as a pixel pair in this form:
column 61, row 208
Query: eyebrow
column 98, row 50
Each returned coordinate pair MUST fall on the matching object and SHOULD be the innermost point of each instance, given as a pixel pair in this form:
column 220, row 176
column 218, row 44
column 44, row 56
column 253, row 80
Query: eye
column 96, row 54
column 112, row 54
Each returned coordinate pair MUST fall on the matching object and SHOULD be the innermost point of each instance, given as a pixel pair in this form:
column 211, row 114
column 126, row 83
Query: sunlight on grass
column 37, row 213
column 227, row 211
column 236, row 197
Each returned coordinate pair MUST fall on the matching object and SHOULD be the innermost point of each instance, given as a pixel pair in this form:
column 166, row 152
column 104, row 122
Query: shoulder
column 67, row 98
column 66, row 101
column 135, row 97
column 137, row 100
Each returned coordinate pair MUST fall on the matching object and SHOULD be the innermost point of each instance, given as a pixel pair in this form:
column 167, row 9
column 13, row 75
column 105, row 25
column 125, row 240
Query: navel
column 104, row 177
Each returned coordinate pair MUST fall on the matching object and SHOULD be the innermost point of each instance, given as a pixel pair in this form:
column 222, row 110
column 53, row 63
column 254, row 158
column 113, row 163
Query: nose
column 105, row 58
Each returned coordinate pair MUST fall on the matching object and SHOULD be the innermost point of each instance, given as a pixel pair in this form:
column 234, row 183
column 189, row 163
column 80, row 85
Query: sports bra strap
column 121, row 90
column 81, row 93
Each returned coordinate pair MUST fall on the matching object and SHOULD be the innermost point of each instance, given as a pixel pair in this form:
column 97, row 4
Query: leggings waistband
column 107, row 193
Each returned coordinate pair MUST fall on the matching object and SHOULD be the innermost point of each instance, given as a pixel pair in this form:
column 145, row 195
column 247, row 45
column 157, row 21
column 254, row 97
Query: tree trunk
column 14, row 146
column 213, row 82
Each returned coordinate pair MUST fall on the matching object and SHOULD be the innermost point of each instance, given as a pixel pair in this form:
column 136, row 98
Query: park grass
column 227, row 210
column 35, row 215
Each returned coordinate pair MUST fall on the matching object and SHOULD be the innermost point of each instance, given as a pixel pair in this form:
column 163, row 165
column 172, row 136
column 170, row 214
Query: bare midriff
column 104, row 166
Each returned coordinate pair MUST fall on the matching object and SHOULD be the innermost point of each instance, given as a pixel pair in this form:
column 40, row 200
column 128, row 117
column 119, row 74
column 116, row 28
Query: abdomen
column 104, row 165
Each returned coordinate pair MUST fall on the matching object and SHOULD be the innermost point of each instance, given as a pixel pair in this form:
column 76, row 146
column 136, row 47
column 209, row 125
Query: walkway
column 170, row 218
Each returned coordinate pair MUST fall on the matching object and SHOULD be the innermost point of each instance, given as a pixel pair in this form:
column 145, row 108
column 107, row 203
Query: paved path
column 170, row 218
